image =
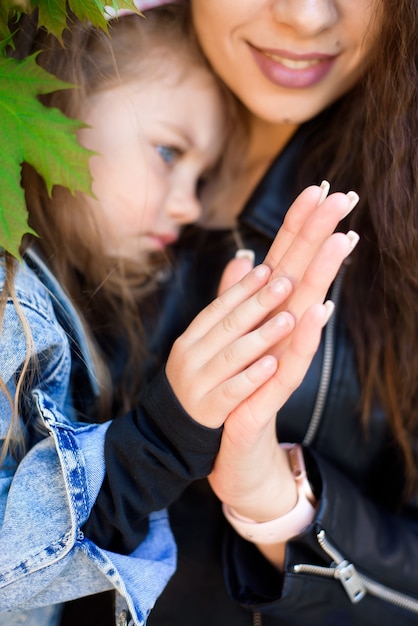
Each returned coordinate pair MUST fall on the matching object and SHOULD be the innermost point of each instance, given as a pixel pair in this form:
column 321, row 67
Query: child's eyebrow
column 178, row 130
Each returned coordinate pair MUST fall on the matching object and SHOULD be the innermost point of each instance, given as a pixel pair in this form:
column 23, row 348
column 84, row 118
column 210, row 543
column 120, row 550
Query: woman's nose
column 306, row 17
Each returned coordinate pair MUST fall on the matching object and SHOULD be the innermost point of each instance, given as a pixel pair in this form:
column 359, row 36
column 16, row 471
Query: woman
column 71, row 339
column 329, row 90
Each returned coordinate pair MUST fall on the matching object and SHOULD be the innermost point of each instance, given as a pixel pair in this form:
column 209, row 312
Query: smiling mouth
column 293, row 64
column 292, row 71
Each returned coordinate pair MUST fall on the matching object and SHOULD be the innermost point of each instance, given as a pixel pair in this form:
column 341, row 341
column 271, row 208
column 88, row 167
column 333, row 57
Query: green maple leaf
column 53, row 13
column 10, row 9
column 30, row 132
column 40, row 136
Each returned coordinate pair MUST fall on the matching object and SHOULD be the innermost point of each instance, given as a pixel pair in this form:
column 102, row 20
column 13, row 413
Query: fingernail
column 280, row 285
column 245, row 253
column 329, row 307
column 268, row 362
column 324, row 186
column 282, row 320
column 353, row 198
column 353, row 238
column 261, row 271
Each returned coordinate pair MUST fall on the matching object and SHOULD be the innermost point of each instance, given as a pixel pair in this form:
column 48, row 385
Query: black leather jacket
column 358, row 562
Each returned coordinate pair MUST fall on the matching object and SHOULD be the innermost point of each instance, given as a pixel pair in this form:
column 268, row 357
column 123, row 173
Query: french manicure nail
column 324, row 186
column 353, row 238
column 245, row 253
column 329, row 310
column 353, row 198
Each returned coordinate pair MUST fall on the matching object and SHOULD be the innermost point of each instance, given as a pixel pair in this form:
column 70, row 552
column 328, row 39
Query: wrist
column 273, row 491
column 292, row 523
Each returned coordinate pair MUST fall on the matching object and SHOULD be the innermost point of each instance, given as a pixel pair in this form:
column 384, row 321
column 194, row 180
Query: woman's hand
column 306, row 249
column 251, row 472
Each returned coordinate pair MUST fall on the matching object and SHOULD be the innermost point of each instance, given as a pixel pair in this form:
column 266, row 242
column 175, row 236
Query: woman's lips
column 294, row 72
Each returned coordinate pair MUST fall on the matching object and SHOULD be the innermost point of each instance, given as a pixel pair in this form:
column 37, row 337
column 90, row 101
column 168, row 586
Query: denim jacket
column 47, row 495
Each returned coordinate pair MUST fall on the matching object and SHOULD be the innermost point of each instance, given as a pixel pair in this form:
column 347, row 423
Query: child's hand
column 218, row 361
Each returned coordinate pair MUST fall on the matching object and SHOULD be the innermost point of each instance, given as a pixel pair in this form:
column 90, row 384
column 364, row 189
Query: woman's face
column 287, row 60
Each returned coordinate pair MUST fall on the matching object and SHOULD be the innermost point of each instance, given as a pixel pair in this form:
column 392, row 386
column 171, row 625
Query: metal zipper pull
column 347, row 574
column 356, row 584
column 344, row 571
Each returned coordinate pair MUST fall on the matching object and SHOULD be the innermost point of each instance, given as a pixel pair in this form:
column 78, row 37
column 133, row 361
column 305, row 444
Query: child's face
column 155, row 140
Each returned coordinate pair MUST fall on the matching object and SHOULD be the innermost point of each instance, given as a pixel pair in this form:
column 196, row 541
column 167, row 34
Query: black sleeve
column 151, row 455
column 355, row 564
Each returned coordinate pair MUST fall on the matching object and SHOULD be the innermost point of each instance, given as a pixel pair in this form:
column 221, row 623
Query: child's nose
column 182, row 206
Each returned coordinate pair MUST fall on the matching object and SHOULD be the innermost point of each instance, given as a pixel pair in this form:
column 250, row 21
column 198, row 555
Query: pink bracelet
column 291, row 524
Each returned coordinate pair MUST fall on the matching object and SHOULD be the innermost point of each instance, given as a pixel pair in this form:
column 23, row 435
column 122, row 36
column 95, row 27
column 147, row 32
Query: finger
column 246, row 316
column 302, row 347
column 321, row 272
column 227, row 301
column 298, row 213
column 231, row 375
column 317, row 279
column 236, row 269
column 239, row 354
column 252, row 416
column 313, row 233
column 223, row 372
column 235, row 390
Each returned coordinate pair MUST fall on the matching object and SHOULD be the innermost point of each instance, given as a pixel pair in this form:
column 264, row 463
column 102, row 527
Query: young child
column 71, row 340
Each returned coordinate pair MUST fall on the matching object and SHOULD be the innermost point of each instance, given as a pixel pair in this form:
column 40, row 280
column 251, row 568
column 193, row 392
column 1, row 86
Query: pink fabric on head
column 143, row 5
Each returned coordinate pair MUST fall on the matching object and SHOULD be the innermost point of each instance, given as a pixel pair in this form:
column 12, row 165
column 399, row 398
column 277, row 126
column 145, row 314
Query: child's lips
column 162, row 240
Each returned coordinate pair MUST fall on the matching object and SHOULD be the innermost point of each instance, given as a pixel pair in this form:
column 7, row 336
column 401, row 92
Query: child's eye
column 169, row 154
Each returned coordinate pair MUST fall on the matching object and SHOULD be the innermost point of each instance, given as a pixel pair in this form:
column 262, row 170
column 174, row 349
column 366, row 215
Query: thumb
column 236, row 269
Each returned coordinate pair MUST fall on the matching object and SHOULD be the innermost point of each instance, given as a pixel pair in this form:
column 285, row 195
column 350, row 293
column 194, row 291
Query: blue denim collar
column 65, row 312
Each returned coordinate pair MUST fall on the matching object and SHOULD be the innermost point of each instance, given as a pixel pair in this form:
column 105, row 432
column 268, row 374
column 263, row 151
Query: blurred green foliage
column 29, row 131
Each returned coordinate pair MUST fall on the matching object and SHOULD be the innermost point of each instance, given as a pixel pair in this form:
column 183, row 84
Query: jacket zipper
column 257, row 618
column 326, row 365
column 356, row 585
column 319, row 403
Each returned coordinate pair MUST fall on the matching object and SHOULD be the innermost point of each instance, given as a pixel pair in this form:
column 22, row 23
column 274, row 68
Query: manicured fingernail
column 353, row 198
column 353, row 238
column 324, row 186
column 329, row 307
column 245, row 253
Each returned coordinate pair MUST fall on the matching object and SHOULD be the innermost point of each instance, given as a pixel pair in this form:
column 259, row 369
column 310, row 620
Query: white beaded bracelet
column 291, row 524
